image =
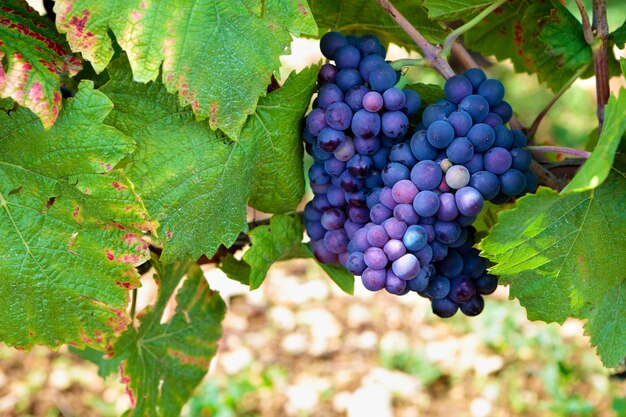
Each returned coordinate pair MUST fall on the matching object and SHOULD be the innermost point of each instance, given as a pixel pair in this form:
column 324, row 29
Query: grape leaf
column 340, row 275
column 294, row 15
column 32, row 54
column 278, row 182
column 563, row 255
column 6, row 104
column 235, row 269
column 618, row 36
column 194, row 181
column 216, row 54
column 429, row 93
column 366, row 16
column 280, row 240
column 597, row 167
column 538, row 36
column 161, row 363
column 69, row 244
column 454, row 9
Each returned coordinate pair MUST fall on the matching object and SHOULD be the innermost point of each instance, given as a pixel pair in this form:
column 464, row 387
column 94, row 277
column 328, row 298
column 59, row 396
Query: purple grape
column 492, row 90
column 394, row 285
column 482, row 137
column 406, row 267
column 457, row 177
column 375, row 258
column 357, row 198
column 360, row 166
column 320, row 188
column 333, row 166
column 433, row 113
column 368, row 45
column 394, row 124
column 394, row 249
column 339, row 116
column 426, row 203
column 380, row 158
column 348, row 78
column 394, row 99
column 315, row 230
column 519, row 139
column 474, row 306
column 504, row 137
column 373, row 101
column 447, row 105
column 440, row 250
column 451, row 266
column 311, row 213
column 405, row 213
column 473, row 265
column 465, row 221
column 373, row 197
column 365, row 124
column 354, row 97
column 461, row 289
column 469, row 201
column 382, row 77
column 447, row 232
column 351, row 227
column 374, row 279
column 498, row 160
column 504, row 110
column 331, row 42
column 421, row 148
column 425, row 255
column 531, row 182
column 358, row 214
column 475, row 76
column 512, row 182
column 461, row 122
column 336, row 197
column 386, row 198
column 395, row 172
column 318, row 175
column 460, row 151
column 426, row 175
column 367, row 63
column 404, row 191
column 493, row 120
column 486, row 284
column 420, row 282
column 377, row 236
column 329, row 94
column 412, row 103
column 330, row 139
column 320, row 202
column 366, row 146
column 457, row 88
column 349, row 183
column 336, row 241
column 316, row 121
column 415, row 238
column 380, row 213
column 444, row 307
column 440, row 134
column 345, row 151
column 521, row 159
column 461, row 240
column 322, row 253
column 327, row 74
column 476, row 106
column 486, row 183
column 394, row 228
column 438, row 287
column 448, row 210
column 401, row 153
column 355, row 263
column 347, row 57
column 359, row 242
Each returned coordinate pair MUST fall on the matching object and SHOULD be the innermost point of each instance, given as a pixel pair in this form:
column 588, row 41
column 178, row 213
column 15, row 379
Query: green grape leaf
column 278, row 182
column 72, row 230
column 161, row 363
column 235, row 269
column 454, row 9
column 217, row 54
column 6, row 104
column 32, row 55
column 562, row 255
column 429, row 93
column 280, row 240
column 597, row 167
column 538, row 36
column 607, row 327
column 618, row 36
column 106, row 366
column 194, row 181
column 339, row 274
column 366, row 16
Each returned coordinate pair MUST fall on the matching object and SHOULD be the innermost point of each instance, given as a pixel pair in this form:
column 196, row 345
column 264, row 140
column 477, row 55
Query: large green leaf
column 280, row 240
column 161, row 363
column 71, row 235
column 278, row 182
column 32, row 54
column 597, row 167
column 217, row 54
column 454, row 9
column 194, row 181
column 366, row 16
column 538, row 36
column 563, row 255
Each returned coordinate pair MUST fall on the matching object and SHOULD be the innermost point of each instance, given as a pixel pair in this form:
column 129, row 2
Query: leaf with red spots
column 32, row 55
column 454, row 9
column 70, row 241
column 163, row 361
column 218, row 55
column 540, row 37
column 196, row 183
column 565, row 256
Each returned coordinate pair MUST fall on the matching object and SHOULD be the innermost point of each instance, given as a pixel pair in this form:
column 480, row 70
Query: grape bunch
column 404, row 223
column 357, row 118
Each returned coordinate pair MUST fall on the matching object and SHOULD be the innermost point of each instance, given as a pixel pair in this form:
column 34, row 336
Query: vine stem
column 449, row 41
column 600, row 28
column 398, row 64
column 431, row 52
column 587, row 32
column 533, row 128
column 559, row 149
column 133, row 305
